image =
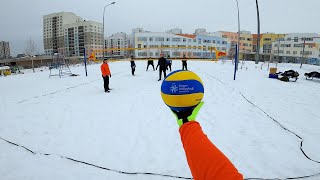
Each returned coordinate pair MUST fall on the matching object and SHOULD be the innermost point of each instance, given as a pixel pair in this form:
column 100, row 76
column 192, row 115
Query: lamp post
column 238, row 47
column 104, row 10
column 258, row 39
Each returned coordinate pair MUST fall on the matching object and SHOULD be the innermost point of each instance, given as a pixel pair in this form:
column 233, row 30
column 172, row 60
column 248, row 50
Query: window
column 295, row 52
column 242, row 38
column 275, row 51
column 245, row 44
column 225, row 36
column 310, row 46
column 288, row 39
column 218, row 42
column 176, row 39
column 184, row 40
column 139, row 45
column 288, row 52
column 249, row 39
column 267, row 39
column 142, row 53
column 150, row 39
column 298, row 45
column 159, row 39
column 142, row 39
column 288, row 45
column 189, row 40
column 168, row 39
column 296, row 39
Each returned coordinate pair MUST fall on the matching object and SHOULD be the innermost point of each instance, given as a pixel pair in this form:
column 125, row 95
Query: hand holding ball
column 182, row 90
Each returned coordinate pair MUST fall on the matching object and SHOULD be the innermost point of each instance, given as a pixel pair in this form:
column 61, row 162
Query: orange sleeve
column 205, row 160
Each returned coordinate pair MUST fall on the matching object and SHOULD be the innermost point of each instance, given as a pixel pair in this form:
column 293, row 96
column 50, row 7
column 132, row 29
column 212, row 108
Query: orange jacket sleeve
column 105, row 70
column 205, row 160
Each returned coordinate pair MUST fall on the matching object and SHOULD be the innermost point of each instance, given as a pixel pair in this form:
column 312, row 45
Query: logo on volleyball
column 174, row 88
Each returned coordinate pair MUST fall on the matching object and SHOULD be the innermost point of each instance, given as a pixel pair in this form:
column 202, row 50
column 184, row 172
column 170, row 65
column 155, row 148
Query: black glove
column 110, row 75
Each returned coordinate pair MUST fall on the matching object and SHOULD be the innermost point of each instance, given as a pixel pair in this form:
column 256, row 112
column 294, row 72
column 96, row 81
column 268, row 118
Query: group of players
column 164, row 64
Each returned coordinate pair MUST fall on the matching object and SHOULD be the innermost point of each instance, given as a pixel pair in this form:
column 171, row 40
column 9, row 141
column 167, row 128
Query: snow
column 132, row 130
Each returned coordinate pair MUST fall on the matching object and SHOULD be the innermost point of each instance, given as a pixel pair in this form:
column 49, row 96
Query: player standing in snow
column 169, row 63
column 162, row 62
column 184, row 63
column 133, row 66
column 205, row 160
column 105, row 70
column 150, row 62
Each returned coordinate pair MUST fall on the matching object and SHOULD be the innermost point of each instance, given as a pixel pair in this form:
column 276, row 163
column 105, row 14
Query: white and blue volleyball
column 182, row 90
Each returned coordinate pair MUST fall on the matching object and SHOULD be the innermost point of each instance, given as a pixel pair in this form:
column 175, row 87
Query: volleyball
column 182, row 90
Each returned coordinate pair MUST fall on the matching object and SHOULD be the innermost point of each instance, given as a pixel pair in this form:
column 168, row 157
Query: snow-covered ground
column 131, row 130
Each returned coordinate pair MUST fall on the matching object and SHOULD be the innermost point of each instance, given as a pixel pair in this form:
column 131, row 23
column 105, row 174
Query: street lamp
column 238, row 47
column 104, row 10
column 258, row 39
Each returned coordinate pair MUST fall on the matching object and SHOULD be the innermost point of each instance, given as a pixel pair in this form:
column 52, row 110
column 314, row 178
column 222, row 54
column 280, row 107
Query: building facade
column 83, row 36
column 53, row 34
column 296, row 47
column 176, row 45
column 118, row 41
column 4, row 50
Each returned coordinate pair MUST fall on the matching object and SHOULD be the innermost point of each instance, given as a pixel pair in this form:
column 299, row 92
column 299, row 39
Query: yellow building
column 245, row 42
column 267, row 39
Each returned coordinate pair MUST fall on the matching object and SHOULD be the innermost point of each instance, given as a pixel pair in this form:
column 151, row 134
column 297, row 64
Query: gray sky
column 22, row 19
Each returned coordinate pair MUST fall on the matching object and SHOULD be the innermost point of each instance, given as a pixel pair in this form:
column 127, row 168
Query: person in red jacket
column 205, row 160
column 105, row 70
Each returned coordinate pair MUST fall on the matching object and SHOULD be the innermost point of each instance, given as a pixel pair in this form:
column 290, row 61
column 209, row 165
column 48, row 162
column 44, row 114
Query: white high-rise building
column 117, row 41
column 82, row 35
column 4, row 50
column 174, row 31
column 53, row 34
column 201, row 31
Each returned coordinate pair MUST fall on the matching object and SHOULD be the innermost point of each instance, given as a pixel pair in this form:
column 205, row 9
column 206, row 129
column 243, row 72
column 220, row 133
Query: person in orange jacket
column 205, row 160
column 105, row 70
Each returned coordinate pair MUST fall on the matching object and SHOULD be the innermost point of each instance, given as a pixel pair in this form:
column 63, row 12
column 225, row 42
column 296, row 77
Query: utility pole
column 303, row 57
column 258, row 39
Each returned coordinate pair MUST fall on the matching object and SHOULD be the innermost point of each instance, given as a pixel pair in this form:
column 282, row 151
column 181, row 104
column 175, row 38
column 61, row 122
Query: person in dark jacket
column 150, row 62
column 133, row 66
column 169, row 63
column 163, row 66
column 184, row 63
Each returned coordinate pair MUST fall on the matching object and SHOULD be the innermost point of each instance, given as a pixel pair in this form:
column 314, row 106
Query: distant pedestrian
column 150, row 62
column 169, row 63
column 133, row 66
column 162, row 63
column 105, row 70
column 184, row 63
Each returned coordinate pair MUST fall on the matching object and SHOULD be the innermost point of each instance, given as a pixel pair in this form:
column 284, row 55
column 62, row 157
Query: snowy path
column 131, row 129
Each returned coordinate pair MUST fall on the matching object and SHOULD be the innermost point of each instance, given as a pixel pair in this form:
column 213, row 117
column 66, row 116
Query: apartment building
column 117, row 41
column 4, row 50
column 297, row 46
column 53, row 34
column 83, row 36
column 174, row 41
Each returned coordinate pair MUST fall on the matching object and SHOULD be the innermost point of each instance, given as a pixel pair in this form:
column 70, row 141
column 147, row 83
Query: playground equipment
column 59, row 66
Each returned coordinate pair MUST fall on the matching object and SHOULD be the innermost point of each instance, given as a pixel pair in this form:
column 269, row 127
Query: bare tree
column 30, row 50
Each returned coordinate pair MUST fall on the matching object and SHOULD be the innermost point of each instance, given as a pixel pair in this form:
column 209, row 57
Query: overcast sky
column 22, row 19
